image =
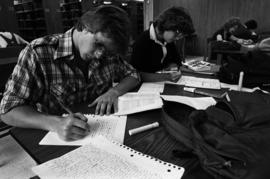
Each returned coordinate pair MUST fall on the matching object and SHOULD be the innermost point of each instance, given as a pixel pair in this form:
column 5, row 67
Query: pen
column 167, row 71
column 143, row 128
column 62, row 105
column 240, row 82
column 194, row 90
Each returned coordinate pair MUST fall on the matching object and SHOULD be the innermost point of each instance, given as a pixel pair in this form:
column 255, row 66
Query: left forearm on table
column 126, row 85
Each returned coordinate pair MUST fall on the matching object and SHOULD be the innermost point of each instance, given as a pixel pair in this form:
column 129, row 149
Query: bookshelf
column 30, row 18
column 70, row 11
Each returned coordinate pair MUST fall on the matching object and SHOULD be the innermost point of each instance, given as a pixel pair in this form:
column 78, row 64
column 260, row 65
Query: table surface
column 155, row 142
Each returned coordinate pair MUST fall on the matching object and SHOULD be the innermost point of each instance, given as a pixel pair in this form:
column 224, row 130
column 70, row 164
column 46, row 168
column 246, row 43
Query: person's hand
column 240, row 41
column 171, row 67
column 105, row 102
column 173, row 76
column 72, row 127
column 248, row 42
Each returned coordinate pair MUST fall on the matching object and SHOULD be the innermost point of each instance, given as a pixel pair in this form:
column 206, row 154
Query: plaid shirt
column 47, row 68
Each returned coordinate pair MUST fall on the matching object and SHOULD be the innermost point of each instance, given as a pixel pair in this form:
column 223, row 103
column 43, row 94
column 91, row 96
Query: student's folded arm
column 154, row 77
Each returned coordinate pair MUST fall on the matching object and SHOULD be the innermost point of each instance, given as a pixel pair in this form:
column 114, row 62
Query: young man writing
column 67, row 69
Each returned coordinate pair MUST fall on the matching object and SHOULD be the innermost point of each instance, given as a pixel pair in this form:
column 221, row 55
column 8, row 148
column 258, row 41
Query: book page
column 199, row 82
column 112, row 127
column 105, row 159
column 157, row 87
column 195, row 102
column 137, row 102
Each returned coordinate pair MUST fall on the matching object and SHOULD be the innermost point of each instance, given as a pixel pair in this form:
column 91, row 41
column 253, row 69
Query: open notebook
column 105, row 159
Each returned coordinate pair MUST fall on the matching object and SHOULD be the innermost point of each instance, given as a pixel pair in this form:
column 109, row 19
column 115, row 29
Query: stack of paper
column 198, row 65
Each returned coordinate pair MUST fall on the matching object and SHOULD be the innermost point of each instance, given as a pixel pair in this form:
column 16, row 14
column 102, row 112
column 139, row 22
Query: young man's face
column 170, row 36
column 94, row 45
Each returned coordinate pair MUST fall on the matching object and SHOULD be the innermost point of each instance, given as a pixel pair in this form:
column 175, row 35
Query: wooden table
column 155, row 142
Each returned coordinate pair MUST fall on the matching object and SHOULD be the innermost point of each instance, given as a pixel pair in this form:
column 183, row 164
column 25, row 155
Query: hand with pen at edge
column 74, row 126
column 171, row 73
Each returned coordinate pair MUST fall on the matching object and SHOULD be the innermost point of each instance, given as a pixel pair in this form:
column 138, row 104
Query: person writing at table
column 155, row 49
column 59, row 71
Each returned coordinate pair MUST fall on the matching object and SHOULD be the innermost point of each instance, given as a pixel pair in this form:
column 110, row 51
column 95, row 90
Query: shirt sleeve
column 24, row 85
column 124, row 69
column 140, row 54
column 172, row 55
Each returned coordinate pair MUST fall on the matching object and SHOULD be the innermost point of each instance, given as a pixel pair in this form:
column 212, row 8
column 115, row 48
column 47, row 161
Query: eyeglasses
column 103, row 47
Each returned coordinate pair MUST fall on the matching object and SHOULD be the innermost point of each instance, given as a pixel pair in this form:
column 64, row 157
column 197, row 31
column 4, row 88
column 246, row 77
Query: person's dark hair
column 111, row 20
column 175, row 18
column 251, row 24
column 234, row 21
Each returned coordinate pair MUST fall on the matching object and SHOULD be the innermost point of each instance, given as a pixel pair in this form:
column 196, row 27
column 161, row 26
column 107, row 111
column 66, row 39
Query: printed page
column 195, row 102
column 104, row 159
column 199, row 82
column 137, row 102
column 112, row 127
column 157, row 87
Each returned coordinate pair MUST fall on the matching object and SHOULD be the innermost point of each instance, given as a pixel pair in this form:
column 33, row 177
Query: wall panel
column 209, row 15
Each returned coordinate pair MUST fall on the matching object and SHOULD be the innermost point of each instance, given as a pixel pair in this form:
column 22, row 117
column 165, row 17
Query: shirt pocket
column 64, row 92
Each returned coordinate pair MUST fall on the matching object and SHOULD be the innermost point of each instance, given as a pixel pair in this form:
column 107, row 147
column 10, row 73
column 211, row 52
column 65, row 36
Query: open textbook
column 104, row 159
column 112, row 127
column 137, row 102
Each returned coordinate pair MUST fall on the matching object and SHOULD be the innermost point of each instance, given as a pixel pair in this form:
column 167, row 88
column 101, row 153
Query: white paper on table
column 235, row 88
column 199, row 82
column 157, row 87
column 195, row 102
column 112, row 127
column 137, row 102
column 105, row 159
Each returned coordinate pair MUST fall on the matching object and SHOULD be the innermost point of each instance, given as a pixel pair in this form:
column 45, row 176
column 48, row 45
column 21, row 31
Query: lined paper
column 112, row 127
column 104, row 159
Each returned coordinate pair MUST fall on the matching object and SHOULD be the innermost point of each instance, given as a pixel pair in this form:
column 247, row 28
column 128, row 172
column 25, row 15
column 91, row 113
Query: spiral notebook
column 106, row 159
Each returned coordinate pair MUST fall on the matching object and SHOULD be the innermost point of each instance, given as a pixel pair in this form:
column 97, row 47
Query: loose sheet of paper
column 112, row 127
column 157, row 87
column 199, row 82
column 137, row 102
column 195, row 102
column 105, row 159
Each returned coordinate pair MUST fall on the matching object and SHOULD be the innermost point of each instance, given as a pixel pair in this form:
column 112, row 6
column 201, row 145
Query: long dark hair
column 175, row 18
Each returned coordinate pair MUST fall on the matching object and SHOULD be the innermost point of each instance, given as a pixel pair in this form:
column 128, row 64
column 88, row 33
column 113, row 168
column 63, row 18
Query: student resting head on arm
column 59, row 71
column 155, row 49
column 8, row 39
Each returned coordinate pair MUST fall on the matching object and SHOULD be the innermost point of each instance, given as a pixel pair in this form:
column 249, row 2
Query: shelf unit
column 31, row 18
column 70, row 11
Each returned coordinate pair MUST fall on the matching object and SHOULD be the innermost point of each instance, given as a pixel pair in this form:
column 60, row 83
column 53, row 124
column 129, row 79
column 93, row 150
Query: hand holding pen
column 74, row 126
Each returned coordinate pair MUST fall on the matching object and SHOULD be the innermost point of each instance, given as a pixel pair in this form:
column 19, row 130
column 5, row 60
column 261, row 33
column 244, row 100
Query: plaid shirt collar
column 65, row 45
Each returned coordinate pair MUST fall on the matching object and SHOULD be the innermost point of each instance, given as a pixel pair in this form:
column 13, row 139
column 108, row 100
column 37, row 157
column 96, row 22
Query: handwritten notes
column 112, row 127
column 199, row 82
column 105, row 159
